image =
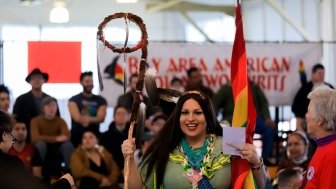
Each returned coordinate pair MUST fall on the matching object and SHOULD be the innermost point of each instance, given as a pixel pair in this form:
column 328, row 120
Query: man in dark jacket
column 300, row 103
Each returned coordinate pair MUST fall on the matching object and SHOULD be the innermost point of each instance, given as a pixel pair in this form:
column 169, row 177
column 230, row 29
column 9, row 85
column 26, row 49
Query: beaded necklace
column 195, row 156
column 199, row 163
column 206, row 158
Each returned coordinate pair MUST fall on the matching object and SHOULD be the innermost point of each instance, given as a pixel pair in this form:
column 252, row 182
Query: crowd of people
column 182, row 138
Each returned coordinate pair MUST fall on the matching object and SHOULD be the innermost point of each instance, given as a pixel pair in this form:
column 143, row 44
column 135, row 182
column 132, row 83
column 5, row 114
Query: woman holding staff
column 187, row 153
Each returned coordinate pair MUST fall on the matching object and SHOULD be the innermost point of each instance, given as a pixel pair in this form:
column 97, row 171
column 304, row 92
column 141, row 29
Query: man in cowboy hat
column 28, row 105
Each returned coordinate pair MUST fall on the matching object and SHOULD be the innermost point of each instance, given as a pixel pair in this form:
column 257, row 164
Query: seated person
column 25, row 151
column 297, row 148
column 51, row 137
column 92, row 165
column 157, row 123
column 116, row 134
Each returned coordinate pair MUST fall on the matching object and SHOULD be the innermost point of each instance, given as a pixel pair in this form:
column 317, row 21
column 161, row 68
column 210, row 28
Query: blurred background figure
column 26, row 151
column 297, row 152
column 28, row 105
column 51, row 137
column 157, row 123
column 116, row 134
column 147, row 140
column 195, row 82
column 177, row 84
column 168, row 107
column 93, row 166
column 13, row 173
column 289, row 179
column 4, row 98
column 223, row 103
column 87, row 110
column 300, row 103
column 126, row 100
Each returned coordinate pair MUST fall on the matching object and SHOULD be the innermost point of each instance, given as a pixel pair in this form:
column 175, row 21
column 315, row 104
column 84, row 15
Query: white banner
column 273, row 66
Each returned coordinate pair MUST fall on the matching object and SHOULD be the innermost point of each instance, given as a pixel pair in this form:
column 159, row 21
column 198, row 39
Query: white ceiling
column 92, row 12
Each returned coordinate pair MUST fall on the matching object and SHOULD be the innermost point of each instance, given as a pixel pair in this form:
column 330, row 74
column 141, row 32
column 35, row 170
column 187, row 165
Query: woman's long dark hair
column 157, row 155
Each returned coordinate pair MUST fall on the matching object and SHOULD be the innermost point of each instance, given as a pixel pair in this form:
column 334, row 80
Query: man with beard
column 86, row 109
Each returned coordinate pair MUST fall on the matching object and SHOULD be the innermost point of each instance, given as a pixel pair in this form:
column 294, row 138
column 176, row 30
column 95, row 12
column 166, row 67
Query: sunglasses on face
column 14, row 139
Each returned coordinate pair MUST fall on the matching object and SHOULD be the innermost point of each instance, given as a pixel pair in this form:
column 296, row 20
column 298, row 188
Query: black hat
column 37, row 71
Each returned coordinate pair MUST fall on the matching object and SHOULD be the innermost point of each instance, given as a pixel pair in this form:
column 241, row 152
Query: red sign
column 61, row 60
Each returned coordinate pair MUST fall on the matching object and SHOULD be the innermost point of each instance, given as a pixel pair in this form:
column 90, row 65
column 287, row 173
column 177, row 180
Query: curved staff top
column 142, row 68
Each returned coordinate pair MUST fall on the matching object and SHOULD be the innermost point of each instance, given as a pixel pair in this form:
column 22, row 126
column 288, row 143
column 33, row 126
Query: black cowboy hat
column 37, row 71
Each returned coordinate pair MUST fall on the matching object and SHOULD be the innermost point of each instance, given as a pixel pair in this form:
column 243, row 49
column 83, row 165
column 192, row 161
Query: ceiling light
column 59, row 14
column 30, row 3
column 127, row 1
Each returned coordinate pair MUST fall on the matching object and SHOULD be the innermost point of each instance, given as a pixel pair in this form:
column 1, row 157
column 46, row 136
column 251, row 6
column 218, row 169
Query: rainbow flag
column 302, row 73
column 244, row 114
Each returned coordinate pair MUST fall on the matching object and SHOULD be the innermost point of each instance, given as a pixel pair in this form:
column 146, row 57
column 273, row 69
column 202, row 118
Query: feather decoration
column 125, row 54
column 141, row 119
column 169, row 95
column 151, row 87
column 125, row 76
column 100, row 79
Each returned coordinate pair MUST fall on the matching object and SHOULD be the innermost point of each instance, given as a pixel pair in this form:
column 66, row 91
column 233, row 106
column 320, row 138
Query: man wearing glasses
column 13, row 173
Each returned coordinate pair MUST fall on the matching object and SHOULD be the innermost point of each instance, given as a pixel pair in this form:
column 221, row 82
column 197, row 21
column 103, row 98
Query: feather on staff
column 140, row 125
column 169, row 95
column 151, row 88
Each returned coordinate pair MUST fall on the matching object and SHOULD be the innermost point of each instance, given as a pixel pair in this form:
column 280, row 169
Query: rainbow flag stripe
column 244, row 114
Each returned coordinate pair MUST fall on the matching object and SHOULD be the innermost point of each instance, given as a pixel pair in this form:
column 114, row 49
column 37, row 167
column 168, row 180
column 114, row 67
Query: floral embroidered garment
column 217, row 169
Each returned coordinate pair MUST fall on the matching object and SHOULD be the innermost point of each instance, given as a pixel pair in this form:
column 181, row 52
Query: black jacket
column 14, row 175
column 112, row 140
column 301, row 102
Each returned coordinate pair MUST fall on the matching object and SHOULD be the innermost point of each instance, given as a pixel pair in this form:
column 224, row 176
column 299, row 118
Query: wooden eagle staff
column 138, row 98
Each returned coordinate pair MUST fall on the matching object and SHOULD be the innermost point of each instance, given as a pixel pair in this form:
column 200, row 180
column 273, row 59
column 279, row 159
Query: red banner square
column 61, row 60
